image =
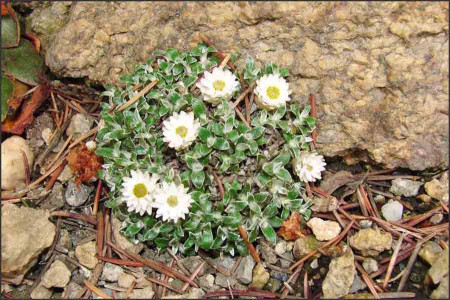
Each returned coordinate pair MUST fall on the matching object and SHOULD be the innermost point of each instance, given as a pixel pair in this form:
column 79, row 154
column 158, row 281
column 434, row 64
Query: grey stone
column 365, row 223
column 111, row 272
column 357, row 285
column 146, row 293
column 58, row 275
column 226, row 263
column 55, row 199
column 437, row 218
column 244, row 272
column 192, row 262
column 286, row 263
column 370, row 242
column 405, row 187
column 125, row 280
column 304, row 245
column 206, row 281
column 388, row 59
column 370, row 265
column 274, row 285
column 77, row 196
column 430, row 251
column 281, row 276
column 340, row 276
column 22, row 241
column 222, row 280
column 438, row 189
column 41, row 292
column 71, row 290
column 79, row 125
column 267, row 252
column 280, row 247
column 36, row 132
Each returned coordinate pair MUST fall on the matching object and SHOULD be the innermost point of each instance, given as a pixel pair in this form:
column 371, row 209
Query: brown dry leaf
column 19, row 90
column 332, row 182
column 33, row 39
column 84, row 163
column 4, row 9
column 291, row 230
column 25, row 117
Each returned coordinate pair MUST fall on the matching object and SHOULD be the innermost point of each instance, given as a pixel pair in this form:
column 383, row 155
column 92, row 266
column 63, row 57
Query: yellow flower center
column 140, row 190
column 309, row 168
column 218, row 85
column 273, row 92
column 181, row 131
column 172, row 201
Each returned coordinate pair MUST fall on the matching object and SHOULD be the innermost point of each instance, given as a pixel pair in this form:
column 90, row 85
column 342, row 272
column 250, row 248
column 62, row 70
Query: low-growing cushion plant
column 166, row 153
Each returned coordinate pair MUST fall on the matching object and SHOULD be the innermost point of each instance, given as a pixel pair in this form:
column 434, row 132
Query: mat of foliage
column 254, row 164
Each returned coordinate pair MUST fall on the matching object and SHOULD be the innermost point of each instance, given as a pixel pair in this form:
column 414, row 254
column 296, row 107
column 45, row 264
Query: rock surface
column 438, row 189
column 371, row 241
column 370, row 265
column 324, row 230
column 86, row 254
column 111, row 272
column 430, row 251
column 441, row 292
column 260, row 276
column 244, row 272
column 22, row 243
column 439, row 268
column 322, row 204
column 58, row 275
column 305, row 244
column 77, row 196
column 392, row 211
column 122, row 241
column 13, row 168
column 79, row 125
column 405, row 187
column 340, row 276
column 41, row 292
column 379, row 69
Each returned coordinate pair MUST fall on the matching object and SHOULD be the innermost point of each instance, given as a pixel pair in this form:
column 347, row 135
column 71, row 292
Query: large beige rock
column 371, row 241
column 340, row 275
column 324, row 230
column 85, row 254
column 122, row 241
column 13, row 168
column 58, row 275
column 438, row 189
column 379, row 70
column 26, row 232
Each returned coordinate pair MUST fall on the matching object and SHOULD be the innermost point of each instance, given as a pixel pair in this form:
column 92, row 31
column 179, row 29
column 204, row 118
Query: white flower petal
column 172, row 211
column 309, row 167
column 272, row 91
column 139, row 204
column 217, row 85
column 188, row 124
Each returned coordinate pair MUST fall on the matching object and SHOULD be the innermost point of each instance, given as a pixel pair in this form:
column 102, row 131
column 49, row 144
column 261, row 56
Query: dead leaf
column 291, row 230
column 4, row 9
column 332, row 182
column 322, row 204
column 33, row 39
column 84, row 163
column 19, row 90
column 25, row 117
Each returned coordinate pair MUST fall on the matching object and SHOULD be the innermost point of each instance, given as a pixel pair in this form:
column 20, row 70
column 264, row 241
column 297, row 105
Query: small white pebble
column 46, row 135
column 91, row 146
column 392, row 211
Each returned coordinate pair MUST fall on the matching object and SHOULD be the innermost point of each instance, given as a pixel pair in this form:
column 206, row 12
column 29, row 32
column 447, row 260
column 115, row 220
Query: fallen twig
column 154, row 280
column 55, row 175
column 369, row 282
column 97, row 197
column 96, row 290
column 250, row 246
column 138, row 95
column 392, row 262
column 66, row 214
column 249, row 293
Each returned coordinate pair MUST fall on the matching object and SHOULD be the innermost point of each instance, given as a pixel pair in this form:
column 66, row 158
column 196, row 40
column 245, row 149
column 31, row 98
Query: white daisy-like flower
column 172, row 202
column 217, row 85
column 309, row 166
column 272, row 91
column 180, row 130
column 138, row 191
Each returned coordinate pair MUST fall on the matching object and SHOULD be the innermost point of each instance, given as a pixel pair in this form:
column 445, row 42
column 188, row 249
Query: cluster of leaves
column 262, row 194
column 22, row 68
